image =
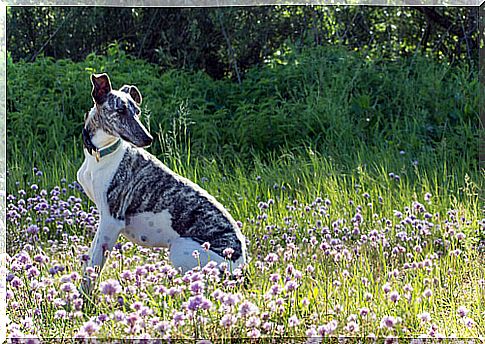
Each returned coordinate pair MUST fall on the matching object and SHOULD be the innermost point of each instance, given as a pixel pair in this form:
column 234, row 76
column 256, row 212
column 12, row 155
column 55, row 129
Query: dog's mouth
column 142, row 142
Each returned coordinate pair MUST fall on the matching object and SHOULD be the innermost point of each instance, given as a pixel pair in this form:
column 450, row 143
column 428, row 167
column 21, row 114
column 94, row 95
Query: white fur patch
column 92, row 175
column 151, row 229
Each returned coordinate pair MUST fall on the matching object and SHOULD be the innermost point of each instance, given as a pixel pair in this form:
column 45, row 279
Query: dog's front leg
column 106, row 236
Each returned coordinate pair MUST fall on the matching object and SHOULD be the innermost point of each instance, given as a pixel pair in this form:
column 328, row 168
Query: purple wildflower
column 388, row 322
column 327, row 329
column 68, row 287
column 110, row 287
column 228, row 252
column 90, row 327
column 60, row 314
column 427, row 293
column 228, row 320
column 179, row 319
column 271, row 258
column 253, row 321
column 364, row 311
column 352, row 327
column 424, row 317
column 394, row 296
column 197, row 287
column 293, row 321
column 206, row 246
column 247, row 308
column 16, row 283
column 469, row 322
column 291, row 286
column 462, row 311
column 254, row 333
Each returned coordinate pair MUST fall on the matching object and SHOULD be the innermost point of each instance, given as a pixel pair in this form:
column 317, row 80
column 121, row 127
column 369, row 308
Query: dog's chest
column 94, row 176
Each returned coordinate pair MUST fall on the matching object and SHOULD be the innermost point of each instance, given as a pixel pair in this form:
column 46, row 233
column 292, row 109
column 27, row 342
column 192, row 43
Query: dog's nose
column 148, row 140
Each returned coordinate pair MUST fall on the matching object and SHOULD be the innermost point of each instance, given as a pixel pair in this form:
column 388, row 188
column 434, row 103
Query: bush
column 330, row 99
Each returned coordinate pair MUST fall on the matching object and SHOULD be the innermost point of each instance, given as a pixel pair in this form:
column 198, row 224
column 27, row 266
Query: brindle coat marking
column 142, row 184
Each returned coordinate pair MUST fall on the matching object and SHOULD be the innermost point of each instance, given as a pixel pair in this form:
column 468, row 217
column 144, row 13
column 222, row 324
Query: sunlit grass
column 334, row 231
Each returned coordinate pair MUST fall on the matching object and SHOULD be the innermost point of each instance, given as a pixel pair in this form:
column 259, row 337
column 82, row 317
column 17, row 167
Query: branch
column 229, row 47
column 32, row 59
column 155, row 13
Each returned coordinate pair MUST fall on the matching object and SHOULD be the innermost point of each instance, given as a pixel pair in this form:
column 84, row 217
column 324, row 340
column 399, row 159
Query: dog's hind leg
column 106, row 236
column 181, row 254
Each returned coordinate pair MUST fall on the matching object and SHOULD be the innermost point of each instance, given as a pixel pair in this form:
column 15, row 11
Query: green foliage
column 226, row 42
column 330, row 99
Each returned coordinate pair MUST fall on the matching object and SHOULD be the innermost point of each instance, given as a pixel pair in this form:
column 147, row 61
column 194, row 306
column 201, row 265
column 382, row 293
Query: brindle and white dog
column 139, row 197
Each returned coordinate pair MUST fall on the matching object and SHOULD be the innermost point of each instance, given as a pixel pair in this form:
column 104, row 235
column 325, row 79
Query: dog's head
column 118, row 111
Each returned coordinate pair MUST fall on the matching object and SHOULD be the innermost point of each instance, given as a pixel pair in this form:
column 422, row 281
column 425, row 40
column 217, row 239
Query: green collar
column 100, row 153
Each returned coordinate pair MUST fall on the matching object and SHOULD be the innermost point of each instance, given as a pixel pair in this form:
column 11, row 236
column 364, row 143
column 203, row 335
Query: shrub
column 330, row 99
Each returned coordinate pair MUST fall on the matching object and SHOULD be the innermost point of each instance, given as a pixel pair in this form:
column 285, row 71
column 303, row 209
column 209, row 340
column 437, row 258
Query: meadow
column 355, row 181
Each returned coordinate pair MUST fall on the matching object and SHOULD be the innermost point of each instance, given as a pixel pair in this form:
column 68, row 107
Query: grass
column 356, row 230
column 348, row 273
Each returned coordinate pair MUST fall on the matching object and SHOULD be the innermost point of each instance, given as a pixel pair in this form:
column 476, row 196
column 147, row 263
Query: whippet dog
column 141, row 198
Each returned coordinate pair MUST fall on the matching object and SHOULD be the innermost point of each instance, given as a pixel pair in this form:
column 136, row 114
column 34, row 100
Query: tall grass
column 343, row 273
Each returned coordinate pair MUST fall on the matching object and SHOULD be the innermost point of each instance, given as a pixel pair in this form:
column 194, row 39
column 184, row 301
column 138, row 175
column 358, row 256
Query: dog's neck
column 94, row 137
column 101, row 139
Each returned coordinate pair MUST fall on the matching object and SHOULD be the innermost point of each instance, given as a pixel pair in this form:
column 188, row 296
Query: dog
column 139, row 197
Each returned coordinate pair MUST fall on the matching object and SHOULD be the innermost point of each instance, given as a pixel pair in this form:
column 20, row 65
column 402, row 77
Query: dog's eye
column 121, row 111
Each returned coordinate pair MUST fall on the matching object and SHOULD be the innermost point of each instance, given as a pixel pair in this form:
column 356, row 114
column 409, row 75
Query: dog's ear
column 101, row 87
column 134, row 93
